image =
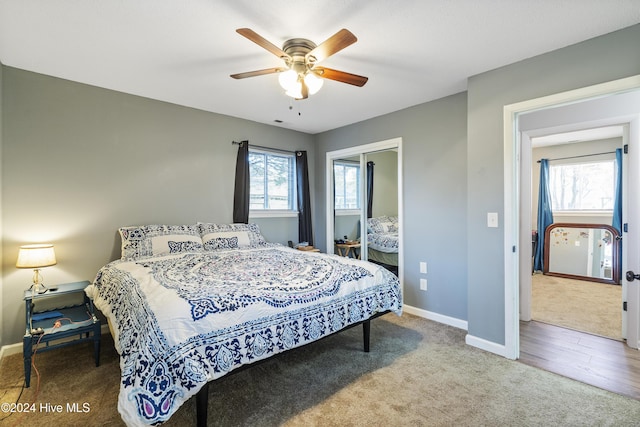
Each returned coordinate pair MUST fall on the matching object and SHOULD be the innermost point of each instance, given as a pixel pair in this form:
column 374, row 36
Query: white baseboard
column 8, row 350
column 471, row 340
column 485, row 345
column 451, row 321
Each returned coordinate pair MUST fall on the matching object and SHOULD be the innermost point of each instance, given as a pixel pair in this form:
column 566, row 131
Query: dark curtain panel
column 370, row 166
column 545, row 216
column 241, row 192
column 617, row 205
column 305, row 230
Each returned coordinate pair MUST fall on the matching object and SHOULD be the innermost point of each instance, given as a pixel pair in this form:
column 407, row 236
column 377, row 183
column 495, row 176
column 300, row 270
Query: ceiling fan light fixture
column 291, row 82
column 295, row 90
column 301, row 77
column 313, row 82
column 288, row 79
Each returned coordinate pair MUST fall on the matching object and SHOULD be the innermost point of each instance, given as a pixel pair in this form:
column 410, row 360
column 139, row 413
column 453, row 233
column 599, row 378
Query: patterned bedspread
column 182, row 320
column 383, row 242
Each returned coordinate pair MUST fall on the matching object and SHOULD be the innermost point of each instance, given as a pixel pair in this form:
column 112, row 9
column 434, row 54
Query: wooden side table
column 60, row 325
column 347, row 249
column 308, row 249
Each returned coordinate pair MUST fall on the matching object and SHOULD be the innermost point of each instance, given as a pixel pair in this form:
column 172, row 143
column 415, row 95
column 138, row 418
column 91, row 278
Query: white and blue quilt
column 382, row 234
column 184, row 319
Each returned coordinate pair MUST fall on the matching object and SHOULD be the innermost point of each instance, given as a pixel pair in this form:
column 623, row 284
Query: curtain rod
column 264, row 148
column 584, row 155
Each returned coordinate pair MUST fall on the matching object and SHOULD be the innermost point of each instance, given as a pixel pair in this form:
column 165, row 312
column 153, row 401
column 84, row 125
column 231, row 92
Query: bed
column 189, row 304
column 382, row 240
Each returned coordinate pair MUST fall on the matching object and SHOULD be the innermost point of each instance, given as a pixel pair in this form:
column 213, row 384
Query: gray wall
column 594, row 61
column 385, row 183
column 79, row 161
column 434, row 174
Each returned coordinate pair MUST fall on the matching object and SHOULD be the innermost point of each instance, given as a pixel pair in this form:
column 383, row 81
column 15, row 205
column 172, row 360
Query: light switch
column 492, row 219
column 423, row 268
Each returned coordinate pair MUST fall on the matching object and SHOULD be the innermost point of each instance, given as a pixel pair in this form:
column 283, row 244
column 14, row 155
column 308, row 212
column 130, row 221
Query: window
column 347, row 185
column 272, row 181
column 582, row 186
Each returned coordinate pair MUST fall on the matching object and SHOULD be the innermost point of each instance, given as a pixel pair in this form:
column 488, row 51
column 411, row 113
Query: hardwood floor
column 601, row 362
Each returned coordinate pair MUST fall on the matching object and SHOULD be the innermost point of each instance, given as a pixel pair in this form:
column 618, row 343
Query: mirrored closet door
column 364, row 203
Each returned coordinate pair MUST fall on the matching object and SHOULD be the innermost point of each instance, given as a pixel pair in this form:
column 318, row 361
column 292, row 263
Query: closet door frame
column 362, row 151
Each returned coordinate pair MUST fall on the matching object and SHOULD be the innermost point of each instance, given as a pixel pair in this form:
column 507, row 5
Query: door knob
column 631, row 276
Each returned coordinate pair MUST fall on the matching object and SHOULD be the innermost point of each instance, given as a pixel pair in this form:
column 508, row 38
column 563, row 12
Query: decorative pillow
column 149, row 240
column 374, row 225
column 383, row 224
column 221, row 243
column 186, row 246
column 229, row 236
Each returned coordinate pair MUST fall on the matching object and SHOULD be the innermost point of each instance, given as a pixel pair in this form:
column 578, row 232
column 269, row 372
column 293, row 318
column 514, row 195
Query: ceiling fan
column 301, row 76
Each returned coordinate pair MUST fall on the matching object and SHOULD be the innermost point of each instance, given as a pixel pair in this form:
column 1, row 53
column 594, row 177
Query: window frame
column 276, row 213
column 583, row 212
column 357, row 166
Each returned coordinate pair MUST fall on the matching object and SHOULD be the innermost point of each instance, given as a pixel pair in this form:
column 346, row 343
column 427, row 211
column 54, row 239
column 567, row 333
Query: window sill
column 345, row 212
column 582, row 213
column 273, row 214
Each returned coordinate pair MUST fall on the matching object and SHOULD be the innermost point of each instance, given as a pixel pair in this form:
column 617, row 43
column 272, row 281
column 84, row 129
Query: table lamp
column 36, row 257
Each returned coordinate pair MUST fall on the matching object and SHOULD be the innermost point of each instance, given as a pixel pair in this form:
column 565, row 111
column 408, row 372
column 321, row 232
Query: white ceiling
column 184, row 51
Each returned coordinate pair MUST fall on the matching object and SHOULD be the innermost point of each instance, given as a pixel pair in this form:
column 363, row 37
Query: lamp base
column 38, row 288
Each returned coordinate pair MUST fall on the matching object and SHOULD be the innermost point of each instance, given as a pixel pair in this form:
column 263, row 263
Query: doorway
column 580, row 288
column 517, row 194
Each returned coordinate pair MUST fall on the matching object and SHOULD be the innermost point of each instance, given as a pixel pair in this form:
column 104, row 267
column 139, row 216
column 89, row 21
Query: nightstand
column 350, row 249
column 53, row 322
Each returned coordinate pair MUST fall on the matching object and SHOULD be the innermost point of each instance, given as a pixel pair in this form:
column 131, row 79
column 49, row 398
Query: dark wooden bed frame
column 202, row 397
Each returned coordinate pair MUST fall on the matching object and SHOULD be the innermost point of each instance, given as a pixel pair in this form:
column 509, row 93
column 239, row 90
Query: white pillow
column 151, row 240
column 230, row 236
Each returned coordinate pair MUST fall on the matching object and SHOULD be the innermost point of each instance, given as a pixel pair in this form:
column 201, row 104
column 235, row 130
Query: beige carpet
column 418, row 373
column 584, row 306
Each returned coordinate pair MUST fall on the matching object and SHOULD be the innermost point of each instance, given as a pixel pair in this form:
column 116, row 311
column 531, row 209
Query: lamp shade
column 36, row 256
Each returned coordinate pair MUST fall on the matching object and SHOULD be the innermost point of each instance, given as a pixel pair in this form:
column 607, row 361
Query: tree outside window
column 271, row 181
column 582, row 186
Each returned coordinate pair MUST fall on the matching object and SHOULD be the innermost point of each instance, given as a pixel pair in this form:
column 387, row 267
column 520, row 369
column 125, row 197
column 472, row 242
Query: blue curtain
column 545, row 216
column 617, row 205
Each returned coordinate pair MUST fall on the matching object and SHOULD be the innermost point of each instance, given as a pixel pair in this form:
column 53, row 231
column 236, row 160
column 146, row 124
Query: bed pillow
column 230, row 236
column 383, row 224
column 375, row 225
column 150, row 240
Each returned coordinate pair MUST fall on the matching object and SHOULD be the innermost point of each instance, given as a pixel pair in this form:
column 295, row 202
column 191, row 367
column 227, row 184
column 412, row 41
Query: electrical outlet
column 423, row 268
column 492, row 219
column 423, row 284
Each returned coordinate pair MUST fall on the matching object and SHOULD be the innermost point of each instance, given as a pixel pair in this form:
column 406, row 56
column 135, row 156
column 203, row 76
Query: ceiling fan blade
column 341, row 76
column 262, row 42
column 259, row 72
column 333, row 44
